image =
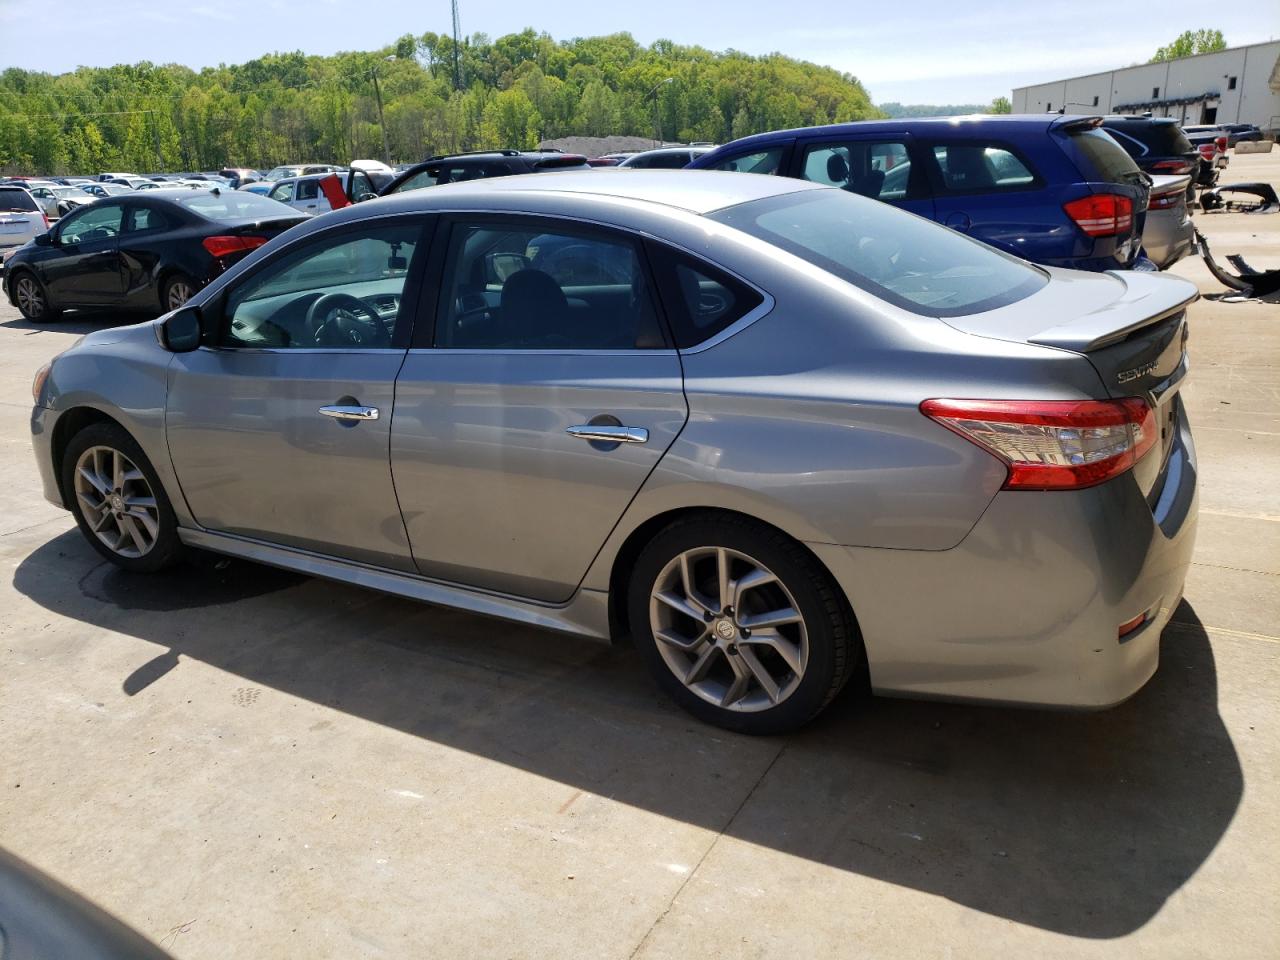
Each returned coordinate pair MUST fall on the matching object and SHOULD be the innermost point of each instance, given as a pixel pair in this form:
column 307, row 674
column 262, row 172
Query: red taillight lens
column 1207, row 150
column 1053, row 444
column 1172, row 166
column 1220, row 143
column 1101, row 214
column 225, row 246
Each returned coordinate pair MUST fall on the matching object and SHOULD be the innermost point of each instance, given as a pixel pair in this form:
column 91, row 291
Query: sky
column 928, row 51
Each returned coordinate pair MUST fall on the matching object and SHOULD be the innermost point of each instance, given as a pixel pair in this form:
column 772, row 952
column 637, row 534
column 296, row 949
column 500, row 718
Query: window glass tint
column 98, row 222
column 233, row 205
column 1110, row 163
column 423, row 178
column 978, row 166
column 764, row 161
column 701, row 300
column 15, row 198
column 338, row 292
column 307, row 190
column 528, row 289
column 144, row 218
column 910, row 262
column 877, row 170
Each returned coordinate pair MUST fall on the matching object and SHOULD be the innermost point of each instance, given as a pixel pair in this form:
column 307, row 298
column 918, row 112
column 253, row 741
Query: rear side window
column 912, row 263
column 308, row 189
column 762, row 161
column 877, row 169
column 1108, row 161
column 700, row 300
column 981, row 167
column 14, row 198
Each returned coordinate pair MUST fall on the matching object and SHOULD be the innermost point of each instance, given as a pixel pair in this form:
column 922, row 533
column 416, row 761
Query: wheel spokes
column 788, row 651
column 758, row 670
column 773, row 618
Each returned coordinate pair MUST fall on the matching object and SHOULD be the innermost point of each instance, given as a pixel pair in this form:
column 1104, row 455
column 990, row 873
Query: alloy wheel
column 729, row 629
column 179, row 293
column 119, row 505
column 30, row 297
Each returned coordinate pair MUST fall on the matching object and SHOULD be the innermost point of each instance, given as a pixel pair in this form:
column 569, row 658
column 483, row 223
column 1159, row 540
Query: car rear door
column 87, row 270
column 278, row 429
column 882, row 166
column 547, row 395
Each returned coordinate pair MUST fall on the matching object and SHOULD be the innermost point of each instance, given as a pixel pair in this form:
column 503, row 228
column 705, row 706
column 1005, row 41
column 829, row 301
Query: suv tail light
column 1220, row 143
column 1166, row 201
column 1101, row 214
column 1207, row 151
column 1172, row 166
column 1053, row 444
column 221, row 247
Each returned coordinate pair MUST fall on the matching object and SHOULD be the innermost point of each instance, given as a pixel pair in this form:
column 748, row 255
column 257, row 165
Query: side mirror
column 180, row 332
column 45, row 240
column 366, row 196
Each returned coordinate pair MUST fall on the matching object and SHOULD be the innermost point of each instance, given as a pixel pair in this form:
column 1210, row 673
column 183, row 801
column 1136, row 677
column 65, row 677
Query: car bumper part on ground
column 1027, row 608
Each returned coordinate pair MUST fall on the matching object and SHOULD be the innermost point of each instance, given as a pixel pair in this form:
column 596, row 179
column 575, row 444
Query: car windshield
column 279, row 173
column 62, row 193
column 906, row 260
column 234, row 205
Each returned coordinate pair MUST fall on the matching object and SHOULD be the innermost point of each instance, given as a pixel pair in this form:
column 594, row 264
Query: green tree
column 1000, row 105
column 1190, row 43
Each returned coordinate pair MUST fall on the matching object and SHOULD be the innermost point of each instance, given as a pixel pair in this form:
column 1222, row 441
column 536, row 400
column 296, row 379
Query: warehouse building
column 1238, row 85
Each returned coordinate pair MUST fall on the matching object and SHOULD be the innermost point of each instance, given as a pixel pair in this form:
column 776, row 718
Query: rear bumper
column 1027, row 608
column 1167, row 239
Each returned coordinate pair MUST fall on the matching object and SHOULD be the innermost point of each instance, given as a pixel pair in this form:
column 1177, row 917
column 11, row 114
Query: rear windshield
column 911, row 262
column 15, row 198
column 234, row 205
column 1160, row 139
column 1108, row 159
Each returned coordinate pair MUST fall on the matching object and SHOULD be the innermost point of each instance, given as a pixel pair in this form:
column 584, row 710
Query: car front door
column 87, row 270
column 279, row 427
column 880, row 166
column 307, row 197
column 547, row 396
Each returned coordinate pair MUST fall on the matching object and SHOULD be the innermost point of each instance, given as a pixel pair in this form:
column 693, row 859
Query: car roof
column 695, row 191
column 971, row 123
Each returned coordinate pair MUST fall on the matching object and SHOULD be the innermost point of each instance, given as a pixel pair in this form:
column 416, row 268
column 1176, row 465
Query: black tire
column 835, row 649
column 31, row 298
column 170, row 291
column 166, row 549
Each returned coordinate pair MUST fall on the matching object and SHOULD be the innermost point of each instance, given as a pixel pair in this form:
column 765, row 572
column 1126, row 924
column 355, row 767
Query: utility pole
column 457, row 41
column 657, row 115
column 382, row 123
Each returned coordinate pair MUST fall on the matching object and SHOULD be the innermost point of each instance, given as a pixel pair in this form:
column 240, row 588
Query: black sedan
column 146, row 252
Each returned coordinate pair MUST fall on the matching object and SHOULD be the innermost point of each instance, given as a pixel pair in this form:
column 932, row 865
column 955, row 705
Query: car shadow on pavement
column 1081, row 824
column 75, row 323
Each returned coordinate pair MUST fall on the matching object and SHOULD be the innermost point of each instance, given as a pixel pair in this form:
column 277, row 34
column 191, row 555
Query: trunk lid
column 1131, row 327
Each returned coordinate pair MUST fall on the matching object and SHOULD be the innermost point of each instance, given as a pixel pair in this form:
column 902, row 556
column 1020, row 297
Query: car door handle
column 342, row 411
column 608, row 434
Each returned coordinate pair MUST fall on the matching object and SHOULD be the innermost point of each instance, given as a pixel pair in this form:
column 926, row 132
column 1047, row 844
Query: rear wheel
column 177, row 290
column 740, row 625
column 118, row 501
column 32, row 298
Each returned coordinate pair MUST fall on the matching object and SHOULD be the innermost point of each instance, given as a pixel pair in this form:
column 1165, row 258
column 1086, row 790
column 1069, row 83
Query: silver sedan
column 777, row 434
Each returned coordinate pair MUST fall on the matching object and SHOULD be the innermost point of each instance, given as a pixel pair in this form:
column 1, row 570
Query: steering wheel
column 341, row 320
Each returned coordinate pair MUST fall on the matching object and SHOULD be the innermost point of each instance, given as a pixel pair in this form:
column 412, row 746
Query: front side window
column 98, row 222
column 978, row 167
column 282, row 193
column 525, row 288
column 907, row 261
column 337, row 292
column 762, row 161
column 880, row 170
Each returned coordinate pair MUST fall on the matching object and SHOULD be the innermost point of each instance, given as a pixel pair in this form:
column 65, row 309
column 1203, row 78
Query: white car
column 305, row 193
column 58, row 200
column 21, row 219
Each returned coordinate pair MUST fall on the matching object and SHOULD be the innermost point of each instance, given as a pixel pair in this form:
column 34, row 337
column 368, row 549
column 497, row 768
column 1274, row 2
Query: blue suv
column 1053, row 189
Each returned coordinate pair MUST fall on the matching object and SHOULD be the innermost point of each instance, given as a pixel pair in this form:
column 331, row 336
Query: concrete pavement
column 239, row 761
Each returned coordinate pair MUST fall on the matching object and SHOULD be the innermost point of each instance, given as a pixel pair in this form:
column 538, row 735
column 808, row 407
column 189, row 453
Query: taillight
column 1221, row 144
column 1165, row 201
column 1172, row 166
column 1101, row 214
column 1053, row 444
column 45, row 217
column 221, row 247
column 1207, row 151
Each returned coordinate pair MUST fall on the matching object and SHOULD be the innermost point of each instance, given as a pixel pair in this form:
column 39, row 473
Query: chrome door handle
column 340, row 411
column 607, row 434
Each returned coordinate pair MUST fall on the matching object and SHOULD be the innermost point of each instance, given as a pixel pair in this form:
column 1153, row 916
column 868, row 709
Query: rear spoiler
column 1141, row 306
column 1075, row 124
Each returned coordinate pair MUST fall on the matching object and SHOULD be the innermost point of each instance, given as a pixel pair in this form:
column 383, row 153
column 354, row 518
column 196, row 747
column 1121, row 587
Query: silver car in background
column 21, row 219
column 777, row 434
column 1168, row 234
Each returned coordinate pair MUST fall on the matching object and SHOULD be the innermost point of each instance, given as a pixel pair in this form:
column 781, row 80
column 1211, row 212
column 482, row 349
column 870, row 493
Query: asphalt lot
column 239, row 761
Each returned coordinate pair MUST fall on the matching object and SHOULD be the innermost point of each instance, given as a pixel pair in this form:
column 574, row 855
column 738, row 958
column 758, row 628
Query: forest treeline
column 510, row 92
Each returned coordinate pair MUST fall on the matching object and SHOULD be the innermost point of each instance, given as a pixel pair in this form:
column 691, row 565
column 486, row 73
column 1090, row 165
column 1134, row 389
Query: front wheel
column 118, row 501
column 740, row 625
column 32, row 298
